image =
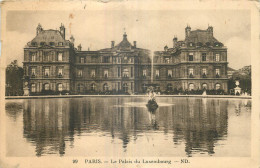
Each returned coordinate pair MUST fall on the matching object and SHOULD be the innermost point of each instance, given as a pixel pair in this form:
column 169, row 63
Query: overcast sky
column 151, row 29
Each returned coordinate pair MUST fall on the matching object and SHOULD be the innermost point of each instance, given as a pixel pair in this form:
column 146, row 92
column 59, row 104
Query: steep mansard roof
column 201, row 36
column 48, row 36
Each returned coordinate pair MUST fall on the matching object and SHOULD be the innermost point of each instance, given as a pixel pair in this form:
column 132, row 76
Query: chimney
column 38, row 29
column 187, row 31
column 62, row 30
column 166, row 48
column 72, row 39
column 175, row 40
column 210, row 30
column 79, row 47
column 112, row 44
column 134, row 44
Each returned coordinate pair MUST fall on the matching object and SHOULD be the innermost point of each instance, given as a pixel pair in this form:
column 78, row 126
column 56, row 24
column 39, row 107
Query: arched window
column 92, row 87
column 125, row 87
column 105, row 87
column 33, row 87
column 169, row 86
column 218, row 86
column 47, row 86
column 191, row 86
column 204, row 86
column 60, row 88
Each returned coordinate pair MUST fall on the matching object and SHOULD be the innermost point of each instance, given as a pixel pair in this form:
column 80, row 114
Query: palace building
column 197, row 62
column 53, row 64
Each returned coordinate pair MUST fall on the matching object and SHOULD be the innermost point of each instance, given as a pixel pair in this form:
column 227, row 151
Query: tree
column 14, row 79
column 244, row 77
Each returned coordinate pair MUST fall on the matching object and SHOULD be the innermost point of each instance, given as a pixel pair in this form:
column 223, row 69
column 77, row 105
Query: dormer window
column 167, row 60
column 60, row 43
column 34, row 44
column 191, row 44
column 199, row 44
column 51, row 43
column 42, row 43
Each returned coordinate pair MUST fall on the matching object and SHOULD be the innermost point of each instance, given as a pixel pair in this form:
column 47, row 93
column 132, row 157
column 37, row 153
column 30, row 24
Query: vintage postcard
column 130, row 84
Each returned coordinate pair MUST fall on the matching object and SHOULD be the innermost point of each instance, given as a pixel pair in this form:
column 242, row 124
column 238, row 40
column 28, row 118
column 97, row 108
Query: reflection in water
column 51, row 124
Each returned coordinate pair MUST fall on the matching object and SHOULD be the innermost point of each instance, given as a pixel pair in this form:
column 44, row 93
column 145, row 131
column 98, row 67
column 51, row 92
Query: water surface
column 111, row 126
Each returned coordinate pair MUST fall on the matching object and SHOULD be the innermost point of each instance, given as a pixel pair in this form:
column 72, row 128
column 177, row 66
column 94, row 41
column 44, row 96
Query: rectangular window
column 93, row 73
column 33, row 72
column 204, row 56
column 125, row 73
column 105, row 73
column 46, row 72
column 60, row 56
column 217, row 71
column 167, row 60
column 157, row 73
column 33, row 87
column 60, row 71
column 80, row 73
column 169, row 73
column 60, row 43
column 33, row 57
column 204, row 71
column 118, row 71
column 217, row 57
column 191, row 71
column 105, row 59
column 190, row 56
column 82, row 60
column 132, row 72
column 144, row 72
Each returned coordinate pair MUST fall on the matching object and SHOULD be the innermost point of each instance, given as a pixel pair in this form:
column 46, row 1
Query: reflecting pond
column 123, row 126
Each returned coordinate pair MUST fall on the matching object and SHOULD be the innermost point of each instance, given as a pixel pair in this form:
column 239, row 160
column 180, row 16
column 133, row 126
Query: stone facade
column 117, row 69
column 48, row 60
column 198, row 62
column 52, row 63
